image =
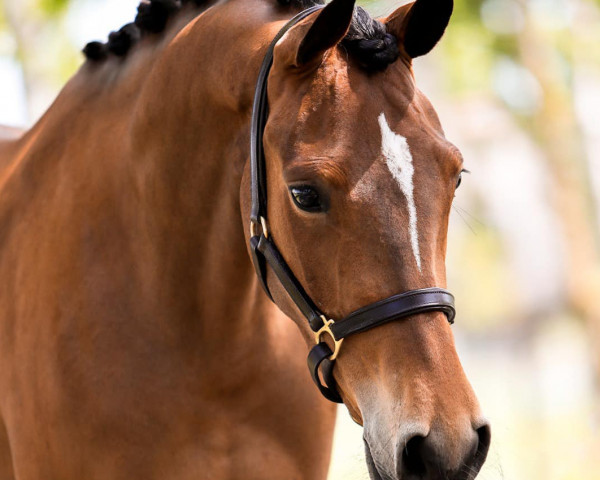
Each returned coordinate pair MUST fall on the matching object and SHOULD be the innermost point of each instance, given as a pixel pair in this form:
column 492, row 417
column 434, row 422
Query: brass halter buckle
column 263, row 226
column 326, row 329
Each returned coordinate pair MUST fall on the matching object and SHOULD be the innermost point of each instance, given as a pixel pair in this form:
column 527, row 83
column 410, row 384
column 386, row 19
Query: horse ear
column 418, row 26
column 326, row 31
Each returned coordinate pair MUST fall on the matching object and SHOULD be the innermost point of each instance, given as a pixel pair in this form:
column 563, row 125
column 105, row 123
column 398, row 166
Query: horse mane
column 367, row 39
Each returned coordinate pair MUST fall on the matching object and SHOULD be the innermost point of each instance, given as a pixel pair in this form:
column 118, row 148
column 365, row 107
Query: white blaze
column 400, row 163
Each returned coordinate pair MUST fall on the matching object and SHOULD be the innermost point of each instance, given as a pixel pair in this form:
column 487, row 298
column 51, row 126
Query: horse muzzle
column 419, row 453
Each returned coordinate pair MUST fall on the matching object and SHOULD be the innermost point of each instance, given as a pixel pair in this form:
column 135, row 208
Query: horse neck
column 189, row 147
column 154, row 147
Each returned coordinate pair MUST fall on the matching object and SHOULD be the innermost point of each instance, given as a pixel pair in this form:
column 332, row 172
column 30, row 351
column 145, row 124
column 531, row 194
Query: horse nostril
column 484, row 435
column 412, row 456
column 427, row 457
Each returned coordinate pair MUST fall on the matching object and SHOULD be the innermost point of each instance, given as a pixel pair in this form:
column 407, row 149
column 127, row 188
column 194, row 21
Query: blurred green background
column 517, row 86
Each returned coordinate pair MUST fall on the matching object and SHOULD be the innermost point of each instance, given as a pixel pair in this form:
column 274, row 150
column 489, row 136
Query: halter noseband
column 264, row 252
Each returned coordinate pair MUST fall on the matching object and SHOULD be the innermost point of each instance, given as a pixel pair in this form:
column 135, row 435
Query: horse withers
column 136, row 340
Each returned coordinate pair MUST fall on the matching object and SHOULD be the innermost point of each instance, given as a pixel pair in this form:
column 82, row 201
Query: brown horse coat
column 135, row 341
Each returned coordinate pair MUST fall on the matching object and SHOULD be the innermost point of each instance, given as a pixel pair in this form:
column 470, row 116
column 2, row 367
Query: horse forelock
column 367, row 39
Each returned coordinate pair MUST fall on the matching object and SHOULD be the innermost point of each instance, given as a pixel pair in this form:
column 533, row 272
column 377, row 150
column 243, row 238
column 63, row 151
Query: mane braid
column 121, row 41
column 152, row 18
column 367, row 40
column 369, row 43
column 152, row 15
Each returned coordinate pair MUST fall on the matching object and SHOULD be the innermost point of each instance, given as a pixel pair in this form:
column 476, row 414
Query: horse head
column 360, row 181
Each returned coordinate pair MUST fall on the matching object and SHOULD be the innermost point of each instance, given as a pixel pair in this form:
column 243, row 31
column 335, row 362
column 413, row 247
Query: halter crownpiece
column 264, row 252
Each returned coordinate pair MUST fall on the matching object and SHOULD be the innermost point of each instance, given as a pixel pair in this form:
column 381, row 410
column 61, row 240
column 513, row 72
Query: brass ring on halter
column 263, row 225
column 326, row 329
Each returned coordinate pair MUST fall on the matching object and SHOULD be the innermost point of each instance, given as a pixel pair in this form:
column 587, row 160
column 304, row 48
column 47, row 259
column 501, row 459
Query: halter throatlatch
column 264, row 252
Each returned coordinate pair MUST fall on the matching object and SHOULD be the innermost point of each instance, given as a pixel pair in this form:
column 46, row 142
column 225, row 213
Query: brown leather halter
column 264, row 252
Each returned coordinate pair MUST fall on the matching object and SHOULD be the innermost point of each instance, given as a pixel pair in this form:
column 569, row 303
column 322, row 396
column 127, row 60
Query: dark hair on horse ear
column 121, row 41
column 369, row 43
column 152, row 15
column 326, row 31
column 420, row 25
column 426, row 25
column 95, row 51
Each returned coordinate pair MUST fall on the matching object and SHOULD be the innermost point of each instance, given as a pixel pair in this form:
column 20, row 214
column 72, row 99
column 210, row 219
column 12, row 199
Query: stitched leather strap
column 394, row 308
column 260, row 112
column 260, row 265
column 304, row 303
column 318, row 356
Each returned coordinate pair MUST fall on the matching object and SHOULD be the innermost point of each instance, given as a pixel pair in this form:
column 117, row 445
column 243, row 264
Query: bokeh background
column 517, row 86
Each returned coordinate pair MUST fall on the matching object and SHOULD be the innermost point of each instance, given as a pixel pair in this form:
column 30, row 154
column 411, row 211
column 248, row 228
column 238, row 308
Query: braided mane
column 367, row 40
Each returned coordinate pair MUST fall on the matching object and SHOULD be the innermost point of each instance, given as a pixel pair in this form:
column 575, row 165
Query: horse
column 137, row 340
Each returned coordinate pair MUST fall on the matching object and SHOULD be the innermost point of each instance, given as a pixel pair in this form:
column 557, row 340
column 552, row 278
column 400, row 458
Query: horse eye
column 459, row 181
column 306, row 198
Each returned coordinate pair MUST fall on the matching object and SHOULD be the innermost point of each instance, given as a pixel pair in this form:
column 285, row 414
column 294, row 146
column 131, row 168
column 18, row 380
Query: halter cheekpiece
column 264, row 252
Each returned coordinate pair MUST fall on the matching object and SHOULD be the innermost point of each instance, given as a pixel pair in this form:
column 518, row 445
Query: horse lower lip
column 373, row 472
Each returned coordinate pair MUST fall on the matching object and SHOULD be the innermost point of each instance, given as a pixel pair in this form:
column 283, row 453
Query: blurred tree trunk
column 559, row 135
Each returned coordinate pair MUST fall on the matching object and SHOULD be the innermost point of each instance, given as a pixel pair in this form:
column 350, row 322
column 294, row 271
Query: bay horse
column 137, row 341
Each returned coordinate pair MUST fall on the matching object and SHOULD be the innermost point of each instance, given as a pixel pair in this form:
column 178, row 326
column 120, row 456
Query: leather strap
column 304, row 303
column 394, row 308
column 260, row 113
column 319, row 355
